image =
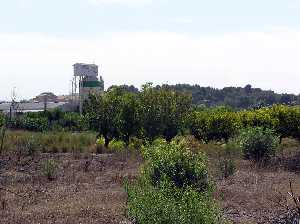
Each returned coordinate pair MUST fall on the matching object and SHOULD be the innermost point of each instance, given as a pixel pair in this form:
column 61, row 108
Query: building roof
column 27, row 107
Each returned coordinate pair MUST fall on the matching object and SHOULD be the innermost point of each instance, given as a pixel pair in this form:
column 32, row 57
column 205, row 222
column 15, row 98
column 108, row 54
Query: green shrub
column 258, row 118
column 176, row 162
column 173, row 185
column 116, row 145
column 100, row 141
column 258, row 144
column 214, row 124
column 100, row 145
column 135, row 143
column 34, row 124
column 167, row 204
column 73, row 122
column 288, row 118
column 2, row 119
column 49, row 169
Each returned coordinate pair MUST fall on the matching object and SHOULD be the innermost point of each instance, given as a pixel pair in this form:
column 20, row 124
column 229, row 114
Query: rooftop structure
column 86, row 78
column 85, row 70
column 31, row 107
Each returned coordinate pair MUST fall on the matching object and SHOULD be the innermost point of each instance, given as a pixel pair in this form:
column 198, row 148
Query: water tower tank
column 85, row 70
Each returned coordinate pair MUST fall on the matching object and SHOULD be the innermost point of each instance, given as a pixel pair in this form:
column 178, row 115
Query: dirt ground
column 255, row 196
column 87, row 188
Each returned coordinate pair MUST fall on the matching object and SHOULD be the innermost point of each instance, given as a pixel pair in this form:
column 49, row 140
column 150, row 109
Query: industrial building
column 30, row 107
column 86, row 77
column 84, row 82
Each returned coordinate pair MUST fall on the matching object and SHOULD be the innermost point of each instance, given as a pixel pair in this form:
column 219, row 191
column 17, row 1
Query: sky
column 210, row 43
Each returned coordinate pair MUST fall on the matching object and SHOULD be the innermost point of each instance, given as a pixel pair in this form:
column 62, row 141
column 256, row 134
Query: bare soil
column 88, row 188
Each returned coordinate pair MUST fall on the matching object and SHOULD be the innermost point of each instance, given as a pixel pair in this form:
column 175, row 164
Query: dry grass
column 260, row 194
column 80, row 193
column 52, row 142
column 87, row 187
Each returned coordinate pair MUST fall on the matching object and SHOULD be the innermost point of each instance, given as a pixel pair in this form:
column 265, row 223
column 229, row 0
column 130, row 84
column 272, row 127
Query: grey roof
column 38, row 106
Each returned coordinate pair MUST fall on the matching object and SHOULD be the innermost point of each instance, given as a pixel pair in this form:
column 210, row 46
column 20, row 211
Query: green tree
column 162, row 111
column 113, row 114
column 214, row 124
column 288, row 120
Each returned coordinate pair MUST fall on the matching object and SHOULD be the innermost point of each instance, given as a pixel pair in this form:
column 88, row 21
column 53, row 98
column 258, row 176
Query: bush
column 288, row 120
column 2, row 119
column 116, row 145
column 173, row 186
column 217, row 124
column 100, row 145
column 177, row 163
column 135, row 143
column 49, row 169
column 73, row 122
column 34, row 124
column 258, row 144
column 168, row 204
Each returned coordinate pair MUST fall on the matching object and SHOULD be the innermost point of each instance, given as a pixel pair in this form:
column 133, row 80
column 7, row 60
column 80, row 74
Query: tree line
column 163, row 112
column 153, row 112
column 236, row 97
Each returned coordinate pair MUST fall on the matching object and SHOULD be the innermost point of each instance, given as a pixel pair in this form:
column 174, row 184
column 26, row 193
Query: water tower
column 86, row 78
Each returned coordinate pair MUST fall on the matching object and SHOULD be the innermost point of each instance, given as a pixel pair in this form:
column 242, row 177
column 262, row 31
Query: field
column 88, row 188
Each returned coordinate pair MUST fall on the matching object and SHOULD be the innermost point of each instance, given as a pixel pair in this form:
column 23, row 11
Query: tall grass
column 50, row 141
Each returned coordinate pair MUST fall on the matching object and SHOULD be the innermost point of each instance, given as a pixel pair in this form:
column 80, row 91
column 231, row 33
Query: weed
column 49, row 169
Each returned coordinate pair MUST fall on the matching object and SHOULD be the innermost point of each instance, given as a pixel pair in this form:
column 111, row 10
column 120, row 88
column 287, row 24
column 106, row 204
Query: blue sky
column 89, row 17
column 216, row 43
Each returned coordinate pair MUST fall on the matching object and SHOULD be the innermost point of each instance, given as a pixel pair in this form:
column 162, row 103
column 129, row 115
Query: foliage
column 135, row 143
column 216, row 124
column 177, row 163
column 173, row 186
column 55, row 120
column 2, row 120
column 73, row 122
column 34, row 124
column 49, row 168
column 288, row 120
column 113, row 115
column 258, row 118
column 49, row 141
column 163, row 112
column 100, row 141
column 117, row 145
column 100, row 145
column 258, row 144
column 168, row 204
column 147, row 114
column 236, row 97
column 2, row 131
column 222, row 124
